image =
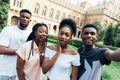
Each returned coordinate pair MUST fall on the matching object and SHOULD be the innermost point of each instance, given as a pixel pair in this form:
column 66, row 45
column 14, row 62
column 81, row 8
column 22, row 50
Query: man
column 11, row 38
column 92, row 57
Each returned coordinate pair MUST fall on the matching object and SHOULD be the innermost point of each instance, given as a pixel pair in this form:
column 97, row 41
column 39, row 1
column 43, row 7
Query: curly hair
column 26, row 11
column 70, row 23
column 90, row 26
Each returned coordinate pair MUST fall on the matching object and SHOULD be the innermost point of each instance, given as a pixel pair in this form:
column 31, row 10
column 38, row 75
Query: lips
column 61, row 41
column 88, row 41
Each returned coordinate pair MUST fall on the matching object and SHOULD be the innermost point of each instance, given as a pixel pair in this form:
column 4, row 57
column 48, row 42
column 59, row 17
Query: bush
column 117, row 42
column 76, row 42
column 108, row 38
column 105, row 46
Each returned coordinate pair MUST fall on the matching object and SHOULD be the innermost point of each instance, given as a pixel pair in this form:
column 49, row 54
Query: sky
column 94, row 2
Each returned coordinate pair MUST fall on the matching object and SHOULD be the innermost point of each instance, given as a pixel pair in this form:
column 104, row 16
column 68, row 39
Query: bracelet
column 42, row 54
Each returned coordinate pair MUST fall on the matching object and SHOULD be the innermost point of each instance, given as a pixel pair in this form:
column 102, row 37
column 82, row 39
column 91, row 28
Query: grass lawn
column 112, row 71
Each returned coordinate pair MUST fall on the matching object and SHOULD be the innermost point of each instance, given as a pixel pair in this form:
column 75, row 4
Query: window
column 57, row 15
column 20, row 3
column 81, row 23
column 44, row 11
column 14, row 2
column 54, row 28
column 73, row 17
column 17, row 3
column 63, row 16
column 78, row 20
column 69, row 16
column 36, row 10
column 14, row 20
column 51, row 14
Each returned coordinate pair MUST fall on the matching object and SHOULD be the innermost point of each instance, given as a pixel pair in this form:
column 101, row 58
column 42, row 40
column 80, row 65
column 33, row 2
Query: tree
column 117, row 35
column 108, row 38
column 4, row 8
column 101, row 30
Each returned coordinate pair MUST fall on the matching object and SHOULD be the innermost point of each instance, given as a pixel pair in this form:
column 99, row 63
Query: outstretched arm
column 113, row 55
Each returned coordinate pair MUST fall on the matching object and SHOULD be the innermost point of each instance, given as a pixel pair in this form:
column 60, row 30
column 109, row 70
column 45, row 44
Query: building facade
column 52, row 12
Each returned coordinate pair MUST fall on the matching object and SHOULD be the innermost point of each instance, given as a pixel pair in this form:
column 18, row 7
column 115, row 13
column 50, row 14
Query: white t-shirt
column 12, row 37
column 63, row 65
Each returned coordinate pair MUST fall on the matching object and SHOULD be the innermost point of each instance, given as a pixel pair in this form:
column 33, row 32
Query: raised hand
column 59, row 49
column 42, row 45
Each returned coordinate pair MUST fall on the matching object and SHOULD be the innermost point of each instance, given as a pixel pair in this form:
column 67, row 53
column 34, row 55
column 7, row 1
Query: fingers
column 59, row 49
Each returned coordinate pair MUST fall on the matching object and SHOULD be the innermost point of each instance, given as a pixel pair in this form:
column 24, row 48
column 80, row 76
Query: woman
column 30, row 55
column 61, row 61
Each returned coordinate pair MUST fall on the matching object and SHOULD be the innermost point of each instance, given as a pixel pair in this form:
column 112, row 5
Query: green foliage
column 112, row 71
column 101, row 30
column 4, row 8
column 76, row 42
column 73, row 42
column 106, row 76
column 105, row 46
column 117, row 29
column 117, row 42
column 108, row 38
column 117, row 35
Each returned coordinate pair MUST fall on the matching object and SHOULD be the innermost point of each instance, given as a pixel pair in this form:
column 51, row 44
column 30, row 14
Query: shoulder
column 9, row 28
column 52, row 47
column 73, row 52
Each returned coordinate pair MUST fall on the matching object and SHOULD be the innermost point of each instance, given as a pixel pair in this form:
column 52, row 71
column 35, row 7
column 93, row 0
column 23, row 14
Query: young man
column 11, row 38
column 92, row 57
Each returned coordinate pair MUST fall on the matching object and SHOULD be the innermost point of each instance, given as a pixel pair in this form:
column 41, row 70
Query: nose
column 89, row 35
column 45, row 34
column 63, row 36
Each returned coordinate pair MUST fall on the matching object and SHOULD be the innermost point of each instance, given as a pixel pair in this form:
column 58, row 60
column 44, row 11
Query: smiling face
column 89, row 36
column 64, row 35
column 41, row 33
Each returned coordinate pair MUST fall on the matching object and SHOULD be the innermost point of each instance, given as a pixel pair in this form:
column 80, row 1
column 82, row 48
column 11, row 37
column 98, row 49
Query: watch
column 42, row 54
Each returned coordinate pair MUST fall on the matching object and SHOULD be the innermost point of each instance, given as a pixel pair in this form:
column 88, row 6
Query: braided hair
column 32, row 36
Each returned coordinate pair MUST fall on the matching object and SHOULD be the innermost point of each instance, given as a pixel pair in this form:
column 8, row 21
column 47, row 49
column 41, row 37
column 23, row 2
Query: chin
column 23, row 25
column 88, row 44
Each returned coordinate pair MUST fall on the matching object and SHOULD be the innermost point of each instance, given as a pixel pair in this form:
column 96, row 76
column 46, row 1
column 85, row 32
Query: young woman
column 61, row 60
column 30, row 55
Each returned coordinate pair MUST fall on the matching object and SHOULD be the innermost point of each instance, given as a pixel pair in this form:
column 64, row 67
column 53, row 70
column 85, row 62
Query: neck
column 22, row 28
column 87, row 47
column 64, row 47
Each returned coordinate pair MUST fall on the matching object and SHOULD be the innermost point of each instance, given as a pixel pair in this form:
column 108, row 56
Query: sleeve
column 103, row 59
column 4, row 37
column 76, row 60
column 22, row 51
